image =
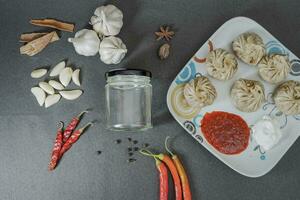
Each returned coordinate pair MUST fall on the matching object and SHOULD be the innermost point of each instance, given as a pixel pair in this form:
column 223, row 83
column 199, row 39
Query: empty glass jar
column 128, row 99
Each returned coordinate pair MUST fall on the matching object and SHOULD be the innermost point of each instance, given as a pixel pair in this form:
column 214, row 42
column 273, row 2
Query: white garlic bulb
column 86, row 42
column 107, row 20
column 112, row 50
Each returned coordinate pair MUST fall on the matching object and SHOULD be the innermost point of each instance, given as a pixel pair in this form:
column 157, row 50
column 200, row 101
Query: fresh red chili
column 72, row 125
column 56, row 148
column 168, row 161
column 72, row 139
column 163, row 180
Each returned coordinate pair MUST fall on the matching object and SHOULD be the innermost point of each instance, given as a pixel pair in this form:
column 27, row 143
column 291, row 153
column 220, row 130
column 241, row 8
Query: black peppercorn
column 131, row 160
column 118, row 141
column 99, row 152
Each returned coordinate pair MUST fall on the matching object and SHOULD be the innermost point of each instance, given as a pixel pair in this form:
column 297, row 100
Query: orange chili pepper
column 187, row 195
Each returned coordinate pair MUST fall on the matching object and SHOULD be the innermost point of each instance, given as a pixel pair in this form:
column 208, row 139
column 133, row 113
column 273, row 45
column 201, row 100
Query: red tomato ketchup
column 226, row 132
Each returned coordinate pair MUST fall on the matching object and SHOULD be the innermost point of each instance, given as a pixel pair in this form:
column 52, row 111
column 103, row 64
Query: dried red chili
column 72, row 125
column 56, row 148
column 72, row 139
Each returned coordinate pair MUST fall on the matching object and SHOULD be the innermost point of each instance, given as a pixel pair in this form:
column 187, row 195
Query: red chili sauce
column 226, row 132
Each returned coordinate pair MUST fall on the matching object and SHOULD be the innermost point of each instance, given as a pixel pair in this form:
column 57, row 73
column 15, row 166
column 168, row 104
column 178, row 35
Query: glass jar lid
column 124, row 71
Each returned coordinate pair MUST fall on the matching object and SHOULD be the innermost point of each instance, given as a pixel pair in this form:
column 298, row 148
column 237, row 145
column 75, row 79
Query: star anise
column 165, row 33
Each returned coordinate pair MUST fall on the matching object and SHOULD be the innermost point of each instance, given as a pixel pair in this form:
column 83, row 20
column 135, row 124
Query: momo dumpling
column 247, row 95
column 199, row 92
column 287, row 97
column 249, row 47
column 274, row 68
column 221, row 64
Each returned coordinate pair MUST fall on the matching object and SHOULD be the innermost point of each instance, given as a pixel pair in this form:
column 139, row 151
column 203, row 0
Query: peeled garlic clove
column 71, row 94
column 56, row 85
column 75, row 77
column 38, row 73
column 39, row 94
column 65, row 76
column 46, row 87
column 51, row 100
column 57, row 69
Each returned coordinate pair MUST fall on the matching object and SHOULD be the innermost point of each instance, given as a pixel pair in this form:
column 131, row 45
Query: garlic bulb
column 107, row 20
column 86, row 42
column 112, row 50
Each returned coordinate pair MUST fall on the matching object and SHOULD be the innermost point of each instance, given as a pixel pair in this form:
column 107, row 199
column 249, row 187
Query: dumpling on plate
column 287, row 97
column 221, row 64
column 199, row 92
column 247, row 95
column 249, row 47
column 274, row 68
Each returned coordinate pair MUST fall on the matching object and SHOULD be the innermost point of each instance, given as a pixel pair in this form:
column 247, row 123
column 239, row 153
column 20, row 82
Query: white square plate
column 252, row 162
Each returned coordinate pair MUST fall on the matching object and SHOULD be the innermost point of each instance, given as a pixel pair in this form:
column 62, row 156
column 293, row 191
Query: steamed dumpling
column 221, row 64
column 247, row 95
column 287, row 97
column 249, row 47
column 274, row 68
column 199, row 92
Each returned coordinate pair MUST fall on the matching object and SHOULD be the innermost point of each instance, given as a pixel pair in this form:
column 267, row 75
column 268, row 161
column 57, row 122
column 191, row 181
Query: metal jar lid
column 124, row 71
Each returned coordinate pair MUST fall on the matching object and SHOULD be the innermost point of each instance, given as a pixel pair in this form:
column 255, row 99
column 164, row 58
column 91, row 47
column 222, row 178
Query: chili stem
column 166, row 146
column 80, row 114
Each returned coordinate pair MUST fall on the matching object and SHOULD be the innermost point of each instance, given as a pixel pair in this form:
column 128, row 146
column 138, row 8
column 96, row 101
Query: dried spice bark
column 28, row 37
column 52, row 23
column 37, row 45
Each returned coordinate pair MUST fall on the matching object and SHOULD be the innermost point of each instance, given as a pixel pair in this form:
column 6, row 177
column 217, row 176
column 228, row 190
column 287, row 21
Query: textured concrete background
column 27, row 131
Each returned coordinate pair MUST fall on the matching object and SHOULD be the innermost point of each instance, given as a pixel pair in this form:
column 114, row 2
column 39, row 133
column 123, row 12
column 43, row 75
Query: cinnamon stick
column 52, row 23
column 28, row 37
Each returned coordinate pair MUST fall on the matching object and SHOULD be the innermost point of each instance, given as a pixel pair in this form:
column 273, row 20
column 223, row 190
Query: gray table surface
column 27, row 131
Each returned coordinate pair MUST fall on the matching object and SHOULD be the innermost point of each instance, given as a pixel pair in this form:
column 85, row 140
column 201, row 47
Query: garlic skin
column 86, row 42
column 38, row 73
column 112, row 50
column 65, row 76
column 51, row 100
column 71, row 94
column 39, row 94
column 107, row 20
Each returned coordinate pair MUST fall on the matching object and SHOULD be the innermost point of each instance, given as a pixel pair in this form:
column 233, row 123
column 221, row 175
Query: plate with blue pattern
column 254, row 161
